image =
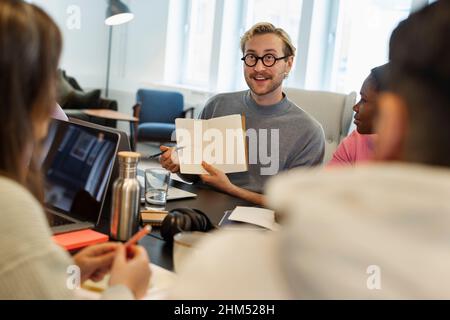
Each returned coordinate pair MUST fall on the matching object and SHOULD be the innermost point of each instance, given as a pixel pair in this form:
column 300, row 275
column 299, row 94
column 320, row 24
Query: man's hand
column 96, row 261
column 217, row 178
column 169, row 159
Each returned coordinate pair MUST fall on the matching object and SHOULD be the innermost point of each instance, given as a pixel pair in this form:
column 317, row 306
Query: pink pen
column 138, row 236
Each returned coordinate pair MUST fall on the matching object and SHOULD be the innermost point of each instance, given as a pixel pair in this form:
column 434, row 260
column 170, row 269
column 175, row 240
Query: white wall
column 85, row 49
column 138, row 48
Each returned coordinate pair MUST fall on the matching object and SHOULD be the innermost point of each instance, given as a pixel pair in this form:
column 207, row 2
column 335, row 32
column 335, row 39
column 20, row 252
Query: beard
column 271, row 85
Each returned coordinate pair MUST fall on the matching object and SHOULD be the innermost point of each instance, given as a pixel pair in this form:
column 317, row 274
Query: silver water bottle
column 126, row 198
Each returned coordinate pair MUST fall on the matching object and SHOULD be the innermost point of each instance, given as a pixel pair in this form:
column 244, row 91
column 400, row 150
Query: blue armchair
column 157, row 111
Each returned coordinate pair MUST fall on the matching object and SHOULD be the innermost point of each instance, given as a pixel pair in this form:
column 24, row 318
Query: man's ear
column 391, row 127
column 289, row 64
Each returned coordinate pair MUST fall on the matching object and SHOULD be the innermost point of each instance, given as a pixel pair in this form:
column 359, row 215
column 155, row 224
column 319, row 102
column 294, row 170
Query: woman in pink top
column 358, row 146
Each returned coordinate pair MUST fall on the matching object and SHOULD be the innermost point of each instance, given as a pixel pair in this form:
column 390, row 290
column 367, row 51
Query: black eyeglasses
column 268, row 60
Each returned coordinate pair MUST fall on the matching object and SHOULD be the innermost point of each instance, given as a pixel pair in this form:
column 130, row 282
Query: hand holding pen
column 135, row 238
column 131, row 266
column 138, row 236
column 164, row 151
column 169, row 159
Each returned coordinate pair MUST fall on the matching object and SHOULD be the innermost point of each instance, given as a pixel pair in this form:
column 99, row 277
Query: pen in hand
column 134, row 240
column 161, row 153
column 138, row 236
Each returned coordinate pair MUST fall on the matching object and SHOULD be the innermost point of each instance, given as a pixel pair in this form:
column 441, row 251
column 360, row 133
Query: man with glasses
column 287, row 137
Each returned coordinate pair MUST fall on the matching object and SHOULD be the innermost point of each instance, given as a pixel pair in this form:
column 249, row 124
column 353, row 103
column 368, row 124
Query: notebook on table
column 250, row 216
column 79, row 239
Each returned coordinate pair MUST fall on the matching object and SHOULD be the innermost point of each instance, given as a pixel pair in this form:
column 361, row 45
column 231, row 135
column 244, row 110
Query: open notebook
column 220, row 142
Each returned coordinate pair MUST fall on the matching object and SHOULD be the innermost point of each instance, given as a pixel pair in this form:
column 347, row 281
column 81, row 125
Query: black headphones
column 184, row 219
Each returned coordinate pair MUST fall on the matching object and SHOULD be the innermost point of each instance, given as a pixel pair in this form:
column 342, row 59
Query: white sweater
column 373, row 232
column 32, row 266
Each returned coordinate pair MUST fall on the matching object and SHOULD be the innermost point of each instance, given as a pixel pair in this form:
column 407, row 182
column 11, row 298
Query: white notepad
column 261, row 217
column 218, row 141
column 176, row 194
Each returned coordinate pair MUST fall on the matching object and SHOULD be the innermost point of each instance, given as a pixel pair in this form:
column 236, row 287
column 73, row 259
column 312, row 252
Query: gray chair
column 332, row 110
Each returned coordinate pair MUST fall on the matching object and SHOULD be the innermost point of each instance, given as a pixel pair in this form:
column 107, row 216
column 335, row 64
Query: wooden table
column 109, row 114
column 114, row 115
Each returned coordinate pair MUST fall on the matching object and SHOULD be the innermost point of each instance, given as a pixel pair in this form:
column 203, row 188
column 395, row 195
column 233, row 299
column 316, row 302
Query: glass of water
column 156, row 186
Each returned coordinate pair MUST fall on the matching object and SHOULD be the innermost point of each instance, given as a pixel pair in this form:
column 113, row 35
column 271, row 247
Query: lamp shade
column 117, row 13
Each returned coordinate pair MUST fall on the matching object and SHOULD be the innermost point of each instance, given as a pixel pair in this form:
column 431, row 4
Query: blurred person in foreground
column 32, row 266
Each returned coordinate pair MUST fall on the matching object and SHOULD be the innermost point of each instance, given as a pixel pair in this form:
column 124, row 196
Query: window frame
column 237, row 9
column 215, row 47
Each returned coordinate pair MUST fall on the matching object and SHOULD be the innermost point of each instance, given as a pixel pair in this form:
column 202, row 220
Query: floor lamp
column 117, row 13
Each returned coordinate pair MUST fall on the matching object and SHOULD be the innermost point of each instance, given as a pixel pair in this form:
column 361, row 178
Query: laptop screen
column 77, row 169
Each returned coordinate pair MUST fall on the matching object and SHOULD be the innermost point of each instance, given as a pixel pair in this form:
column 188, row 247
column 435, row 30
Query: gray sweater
column 280, row 137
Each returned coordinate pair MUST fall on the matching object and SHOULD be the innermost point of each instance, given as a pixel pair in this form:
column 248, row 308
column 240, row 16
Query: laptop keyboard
column 59, row 221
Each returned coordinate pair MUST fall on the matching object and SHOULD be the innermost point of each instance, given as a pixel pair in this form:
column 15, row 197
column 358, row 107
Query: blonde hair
column 268, row 28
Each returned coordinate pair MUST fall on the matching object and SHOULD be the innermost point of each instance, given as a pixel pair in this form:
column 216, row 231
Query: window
column 199, row 40
column 338, row 42
column 209, row 34
column 364, row 28
column 283, row 14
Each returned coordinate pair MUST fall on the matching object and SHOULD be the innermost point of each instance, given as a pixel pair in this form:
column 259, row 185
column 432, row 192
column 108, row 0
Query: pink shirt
column 355, row 148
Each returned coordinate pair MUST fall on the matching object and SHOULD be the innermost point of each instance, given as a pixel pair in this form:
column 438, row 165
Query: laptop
column 77, row 165
column 124, row 145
